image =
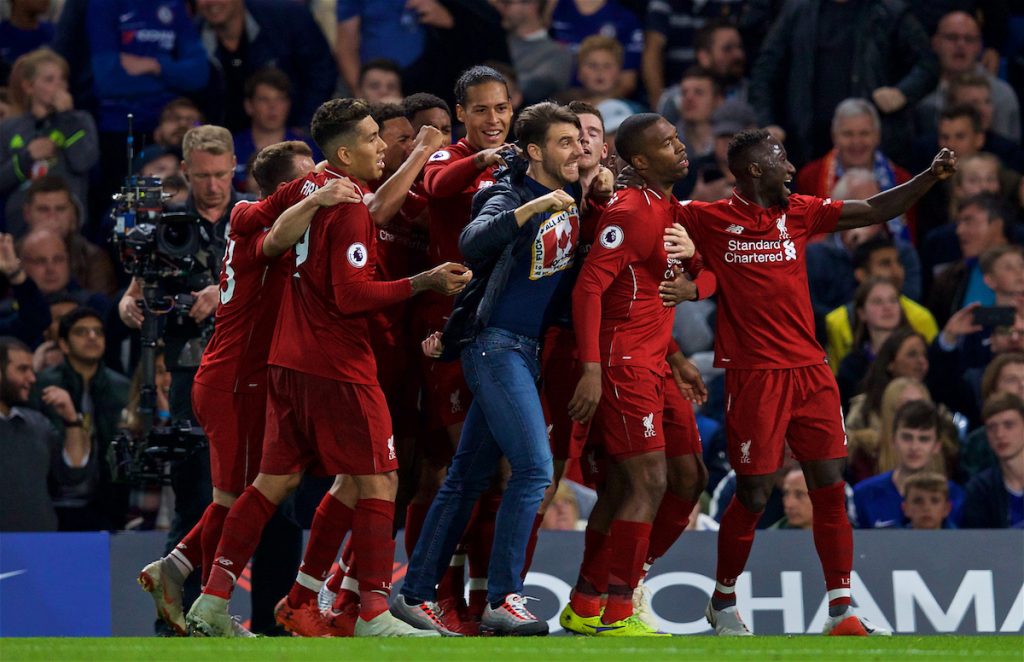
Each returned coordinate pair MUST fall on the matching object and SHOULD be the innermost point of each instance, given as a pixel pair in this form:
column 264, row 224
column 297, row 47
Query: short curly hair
column 335, row 120
column 741, row 146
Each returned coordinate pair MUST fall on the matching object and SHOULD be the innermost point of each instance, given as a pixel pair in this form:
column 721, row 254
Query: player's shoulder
column 451, row 153
column 799, row 201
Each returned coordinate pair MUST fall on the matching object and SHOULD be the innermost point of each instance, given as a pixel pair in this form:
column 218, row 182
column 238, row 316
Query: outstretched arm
column 897, row 200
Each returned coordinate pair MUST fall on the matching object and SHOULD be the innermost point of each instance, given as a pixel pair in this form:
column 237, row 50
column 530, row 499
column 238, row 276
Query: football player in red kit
column 450, row 179
column 779, row 388
column 624, row 332
column 229, row 392
column 324, row 403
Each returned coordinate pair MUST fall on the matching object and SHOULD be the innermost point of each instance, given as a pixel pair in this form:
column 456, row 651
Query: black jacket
column 488, row 244
column 891, row 49
column 985, row 502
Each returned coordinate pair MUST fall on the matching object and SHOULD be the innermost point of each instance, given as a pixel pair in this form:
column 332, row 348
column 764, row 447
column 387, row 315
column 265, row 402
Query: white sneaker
column 209, row 617
column 166, row 593
column 849, row 624
column 642, row 606
column 727, row 622
column 512, row 618
column 325, row 598
column 386, row 625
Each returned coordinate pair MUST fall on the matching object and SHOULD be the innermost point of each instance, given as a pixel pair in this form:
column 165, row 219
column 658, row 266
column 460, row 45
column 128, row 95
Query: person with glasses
column 957, row 44
column 98, row 395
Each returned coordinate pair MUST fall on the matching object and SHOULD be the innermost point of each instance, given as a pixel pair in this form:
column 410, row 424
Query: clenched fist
column 678, row 243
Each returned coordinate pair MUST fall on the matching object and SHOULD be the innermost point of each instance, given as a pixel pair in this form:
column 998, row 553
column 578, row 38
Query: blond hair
column 600, row 42
column 208, row 138
column 25, row 69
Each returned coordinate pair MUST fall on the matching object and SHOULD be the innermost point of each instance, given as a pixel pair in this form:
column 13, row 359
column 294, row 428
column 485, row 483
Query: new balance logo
column 745, row 452
column 648, row 422
column 735, row 229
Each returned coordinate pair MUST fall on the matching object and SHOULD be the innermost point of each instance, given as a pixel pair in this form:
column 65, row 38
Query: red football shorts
column 446, row 394
column 680, row 425
column 344, row 427
column 766, row 409
column 399, row 378
column 628, row 420
column 233, row 423
column 560, row 373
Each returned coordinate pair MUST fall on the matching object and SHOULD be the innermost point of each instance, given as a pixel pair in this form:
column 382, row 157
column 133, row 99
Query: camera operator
column 208, row 165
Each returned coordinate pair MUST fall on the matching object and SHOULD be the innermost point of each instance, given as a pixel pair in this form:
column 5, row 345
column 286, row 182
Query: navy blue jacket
column 985, row 503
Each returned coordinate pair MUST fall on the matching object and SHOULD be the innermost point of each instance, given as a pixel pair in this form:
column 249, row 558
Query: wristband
column 77, row 423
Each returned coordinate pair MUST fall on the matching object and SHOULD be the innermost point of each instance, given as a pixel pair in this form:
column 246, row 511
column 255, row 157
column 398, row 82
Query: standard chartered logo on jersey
column 757, row 252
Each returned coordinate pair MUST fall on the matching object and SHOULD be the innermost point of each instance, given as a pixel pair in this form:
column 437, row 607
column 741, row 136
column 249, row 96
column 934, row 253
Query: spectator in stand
column 6, row 109
column 176, row 118
column 395, row 29
column 878, row 314
column 157, row 161
column 98, row 395
column 50, row 205
column 819, row 53
column 380, row 81
column 243, row 36
column 1005, row 374
column 916, row 448
column 143, row 55
column 35, row 454
column 572, row 21
column 24, row 312
column 975, row 90
column 45, row 136
column 903, row 354
column 795, row 502
column 856, row 136
column 25, row 30
column 876, row 257
column 49, row 354
column 981, row 225
column 926, row 505
column 719, row 49
column 600, row 64
column 267, row 103
column 543, row 66
column 46, row 260
column 866, row 436
column 995, row 497
column 699, row 97
column 709, row 177
column 957, row 45
column 423, row 108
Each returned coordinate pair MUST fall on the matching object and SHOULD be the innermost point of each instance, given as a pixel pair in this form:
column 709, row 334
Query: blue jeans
column 501, row 368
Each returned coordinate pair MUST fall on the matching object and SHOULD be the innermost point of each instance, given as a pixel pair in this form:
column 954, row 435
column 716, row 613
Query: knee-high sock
column 332, row 521
column 212, row 527
column 238, row 540
column 593, row 577
column 375, row 550
column 628, row 542
column 735, row 538
column 670, row 522
column 188, row 553
column 833, row 539
column 478, row 551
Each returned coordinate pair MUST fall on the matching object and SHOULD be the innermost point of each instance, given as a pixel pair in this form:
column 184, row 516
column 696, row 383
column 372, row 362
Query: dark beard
column 9, row 395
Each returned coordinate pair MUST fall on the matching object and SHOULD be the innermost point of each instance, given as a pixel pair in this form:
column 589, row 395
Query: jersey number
column 302, row 250
column 229, row 290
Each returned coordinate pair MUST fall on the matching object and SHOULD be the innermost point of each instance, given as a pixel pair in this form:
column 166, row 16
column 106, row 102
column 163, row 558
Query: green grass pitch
column 902, row 648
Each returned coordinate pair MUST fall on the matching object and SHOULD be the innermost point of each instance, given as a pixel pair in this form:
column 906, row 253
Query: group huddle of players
column 318, row 327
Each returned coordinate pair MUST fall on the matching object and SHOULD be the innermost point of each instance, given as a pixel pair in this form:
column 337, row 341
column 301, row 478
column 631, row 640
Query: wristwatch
column 77, row 423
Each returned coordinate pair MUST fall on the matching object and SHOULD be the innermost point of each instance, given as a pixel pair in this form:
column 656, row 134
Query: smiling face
column 856, row 138
column 487, row 114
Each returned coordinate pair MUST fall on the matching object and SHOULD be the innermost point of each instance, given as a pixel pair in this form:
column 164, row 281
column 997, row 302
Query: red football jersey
column 765, row 318
column 250, row 294
column 618, row 315
column 450, row 180
column 323, row 325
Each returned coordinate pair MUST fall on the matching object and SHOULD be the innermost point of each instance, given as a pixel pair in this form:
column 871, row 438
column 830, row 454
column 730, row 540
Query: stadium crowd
column 921, row 316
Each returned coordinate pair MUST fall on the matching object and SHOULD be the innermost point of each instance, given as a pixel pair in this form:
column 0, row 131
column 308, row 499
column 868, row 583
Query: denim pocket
column 492, row 343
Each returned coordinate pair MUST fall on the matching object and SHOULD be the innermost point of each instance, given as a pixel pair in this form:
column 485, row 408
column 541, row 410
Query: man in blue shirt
column 995, row 497
column 522, row 245
column 879, row 499
column 24, row 31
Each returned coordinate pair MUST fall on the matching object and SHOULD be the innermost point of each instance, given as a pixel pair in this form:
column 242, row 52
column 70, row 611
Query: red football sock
column 188, row 553
column 670, row 522
column 212, row 527
column 531, row 546
column 833, row 538
column 331, row 523
column 375, row 549
column 593, row 577
column 453, row 582
column 238, row 540
column 735, row 538
column 628, row 542
column 415, row 513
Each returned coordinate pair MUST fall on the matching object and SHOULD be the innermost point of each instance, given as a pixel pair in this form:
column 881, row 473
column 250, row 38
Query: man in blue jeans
column 522, row 244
